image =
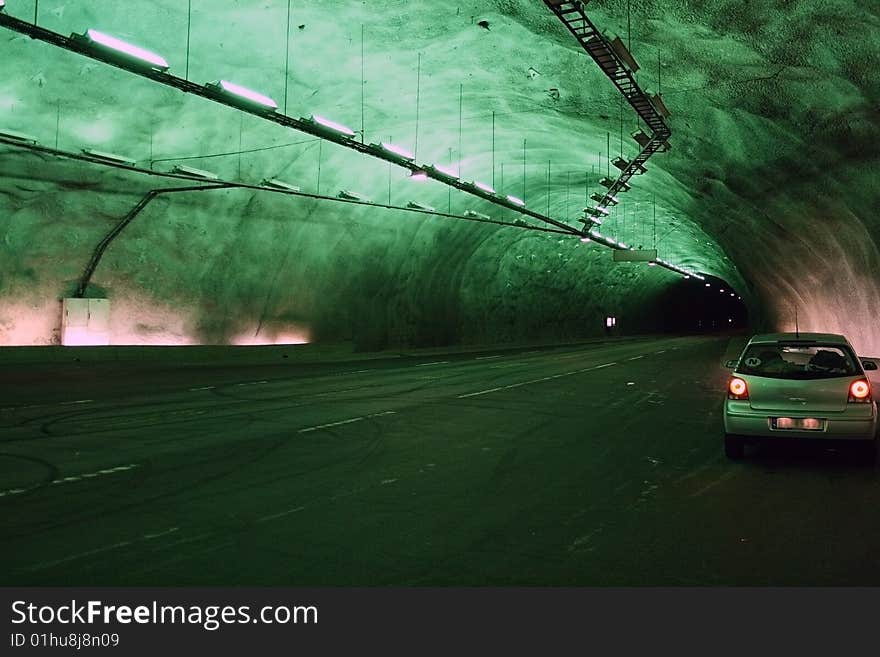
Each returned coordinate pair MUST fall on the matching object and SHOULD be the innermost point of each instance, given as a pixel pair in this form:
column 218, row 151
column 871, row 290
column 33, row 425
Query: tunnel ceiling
column 769, row 183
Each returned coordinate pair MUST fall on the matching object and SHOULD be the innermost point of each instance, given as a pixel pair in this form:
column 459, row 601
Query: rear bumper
column 860, row 423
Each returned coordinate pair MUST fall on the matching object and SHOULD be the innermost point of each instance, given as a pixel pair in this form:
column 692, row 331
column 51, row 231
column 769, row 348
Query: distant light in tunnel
column 516, row 201
column 708, row 285
column 652, row 264
column 721, row 290
column 331, row 125
column 244, row 93
column 397, row 150
column 112, row 43
column 279, row 184
column 486, row 188
column 585, row 239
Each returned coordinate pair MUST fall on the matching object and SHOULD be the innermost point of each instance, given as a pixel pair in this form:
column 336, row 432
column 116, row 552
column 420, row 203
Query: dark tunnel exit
column 694, row 306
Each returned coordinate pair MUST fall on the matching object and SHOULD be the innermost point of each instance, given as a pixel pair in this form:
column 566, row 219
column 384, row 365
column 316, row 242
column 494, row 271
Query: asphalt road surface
column 592, row 465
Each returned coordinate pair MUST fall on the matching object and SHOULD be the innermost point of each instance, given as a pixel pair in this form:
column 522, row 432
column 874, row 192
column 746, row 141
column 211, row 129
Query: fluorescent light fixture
column 279, row 184
column 2, row 5
column 109, row 157
column 708, row 285
column 585, row 239
column 418, row 176
column 353, row 196
column 597, row 211
column 419, row 206
column 652, row 264
column 197, row 173
column 444, row 172
column 486, row 188
column 516, row 201
column 476, row 215
column 95, row 38
column 397, row 150
column 20, row 137
column 606, row 199
column 243, row 93
column 331, row 125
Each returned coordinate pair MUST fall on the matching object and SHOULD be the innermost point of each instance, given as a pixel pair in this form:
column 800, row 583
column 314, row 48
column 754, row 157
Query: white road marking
column 635, row 357
column 331, row 424
column 107, row 548
column 385, row 482
column 438, row 362
column 70, row 479
column 150, row 537
column 202, row 388
column 275, row 516
column 78, row 401
column 486, row 357
column 724, row 477
column 525, row 383
column 662, row 351
column 251, row 383
column 18, row 408
column 348, row 421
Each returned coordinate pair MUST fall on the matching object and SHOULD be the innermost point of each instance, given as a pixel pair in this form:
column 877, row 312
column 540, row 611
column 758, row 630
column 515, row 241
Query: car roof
column 832, row 338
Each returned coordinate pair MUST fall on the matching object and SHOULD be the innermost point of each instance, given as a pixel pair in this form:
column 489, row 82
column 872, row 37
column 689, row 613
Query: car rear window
column 798, row 361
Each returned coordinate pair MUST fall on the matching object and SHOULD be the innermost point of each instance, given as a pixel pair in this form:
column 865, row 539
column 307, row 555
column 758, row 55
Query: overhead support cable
column 81, row 46
column 327, row 131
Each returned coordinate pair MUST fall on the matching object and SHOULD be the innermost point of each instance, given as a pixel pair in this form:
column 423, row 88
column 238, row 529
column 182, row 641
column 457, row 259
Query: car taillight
column 860, row 392
column 737, row 389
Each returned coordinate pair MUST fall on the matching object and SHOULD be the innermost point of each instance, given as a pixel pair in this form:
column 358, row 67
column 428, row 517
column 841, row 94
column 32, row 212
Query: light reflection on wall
column 291, row 334
column 33, row 324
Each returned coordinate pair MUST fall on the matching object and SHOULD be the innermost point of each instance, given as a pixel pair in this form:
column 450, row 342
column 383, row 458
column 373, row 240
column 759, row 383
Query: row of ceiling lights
column 254, row 99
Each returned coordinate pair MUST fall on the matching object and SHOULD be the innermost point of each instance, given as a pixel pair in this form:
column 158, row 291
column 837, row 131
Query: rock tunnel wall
column 770, row 184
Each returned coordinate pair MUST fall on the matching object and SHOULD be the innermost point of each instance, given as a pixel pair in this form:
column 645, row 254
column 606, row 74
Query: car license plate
column 797, row 424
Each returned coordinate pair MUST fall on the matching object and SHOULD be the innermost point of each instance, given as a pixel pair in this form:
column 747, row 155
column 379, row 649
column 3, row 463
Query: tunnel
column 430, row 293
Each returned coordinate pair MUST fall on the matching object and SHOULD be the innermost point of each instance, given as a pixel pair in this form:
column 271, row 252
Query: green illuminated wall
column 769, row 183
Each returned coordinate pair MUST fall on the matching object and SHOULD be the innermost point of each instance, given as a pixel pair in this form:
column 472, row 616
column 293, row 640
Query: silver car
column 799, row 385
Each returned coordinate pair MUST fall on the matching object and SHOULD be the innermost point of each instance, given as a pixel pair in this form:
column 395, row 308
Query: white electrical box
column 85, row 322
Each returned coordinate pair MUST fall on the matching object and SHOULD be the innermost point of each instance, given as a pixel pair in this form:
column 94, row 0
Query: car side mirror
column 869, row 365
column 731, row 364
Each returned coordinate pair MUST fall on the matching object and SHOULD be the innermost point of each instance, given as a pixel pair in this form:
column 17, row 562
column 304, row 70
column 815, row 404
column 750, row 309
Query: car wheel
column 734, row 447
